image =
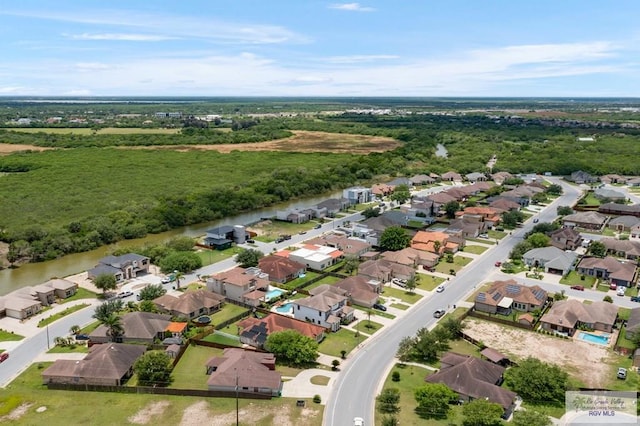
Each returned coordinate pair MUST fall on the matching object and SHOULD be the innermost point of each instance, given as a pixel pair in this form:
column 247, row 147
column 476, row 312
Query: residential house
column 474, row 378
column 451, row 176
column 412, row 257
column 500, row 177
column 19, row 306
column 254, row 331
column 609, row 194
column 440, row 199
column 504, row 296
column 62, row 288
column 436, row 242
column 361, row 290
column 552, row 259
column 294, row 215
column 357, row 195
column 333, row 206
column 475, row 176
column 623, row 223
column 327, row 309
column 421, row 207
column 239, row 370
column 110, row 364
column 422, row 180
column 467, row 226
column 582, row 177
column 520, row 201
column 316, row 257
column 585, row 220
column 566, row 316
column 381, row 190
column 565, row 238
column 633, row 323
column 634, row 233
column 223, row 237
column 383, row 270
column 626, row 249
column 400, row 181
column 41, row 293
column 123, row 267
column 611, row 269
column 350, row 247
column 190, row 304
column 633, row 181
column 504, row 204
column 139, row 327
column 620, row 209
column 281, row 269
column 246, row 286
column 612, row 178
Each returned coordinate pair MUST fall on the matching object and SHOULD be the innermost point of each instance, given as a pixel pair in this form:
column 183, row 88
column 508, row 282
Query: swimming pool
column 273, row 293
column 598, row 339
column 285, row 309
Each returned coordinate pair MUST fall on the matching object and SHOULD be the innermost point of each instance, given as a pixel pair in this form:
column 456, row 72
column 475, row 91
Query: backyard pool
column 598, row 339
column 286, row 308
column 273, row 293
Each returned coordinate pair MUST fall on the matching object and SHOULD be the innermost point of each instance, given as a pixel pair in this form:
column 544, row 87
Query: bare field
column 8, row 148
column 585, row 361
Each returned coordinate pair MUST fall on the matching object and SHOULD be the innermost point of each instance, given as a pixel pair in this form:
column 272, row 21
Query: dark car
column 251, row 241
column 438, row 313
column 318, row 226
column 4, row 356
column 577, row 287
column 379, row 307
column 82, row 337
column 535, row 220
column 635, row 298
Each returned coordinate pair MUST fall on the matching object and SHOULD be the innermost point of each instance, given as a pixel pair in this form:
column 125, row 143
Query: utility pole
column 237, row 408
column 48, row 344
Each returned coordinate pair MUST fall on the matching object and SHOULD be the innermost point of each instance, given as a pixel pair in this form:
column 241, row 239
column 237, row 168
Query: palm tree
column 75, row 329
column 114, row 326
column 178, row 275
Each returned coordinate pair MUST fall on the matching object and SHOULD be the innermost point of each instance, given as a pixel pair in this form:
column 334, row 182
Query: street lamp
column 48, row 344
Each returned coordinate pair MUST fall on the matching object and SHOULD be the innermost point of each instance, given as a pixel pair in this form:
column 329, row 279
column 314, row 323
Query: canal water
column 36, row 273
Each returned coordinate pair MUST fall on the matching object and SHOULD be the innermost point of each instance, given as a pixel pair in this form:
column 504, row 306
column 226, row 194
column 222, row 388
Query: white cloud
column 352, row 7
column 119, row 37
column 91, row 66
column 354, row 59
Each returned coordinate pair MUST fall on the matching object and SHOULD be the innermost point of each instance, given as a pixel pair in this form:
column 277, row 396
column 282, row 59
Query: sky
column 425, row 48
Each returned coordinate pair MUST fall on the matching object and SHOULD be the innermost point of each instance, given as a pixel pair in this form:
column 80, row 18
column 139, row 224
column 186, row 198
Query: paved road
column 355, row 389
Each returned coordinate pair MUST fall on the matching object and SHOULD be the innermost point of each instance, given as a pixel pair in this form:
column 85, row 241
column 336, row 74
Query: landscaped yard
column 496, row 235
column 329, row 279
column 459, row 262
column 428, row 282
column 574, row 278
column 97, row 408
column 48, row 320
column 291, row 285
column 400, row 306
column 222, row 339
column 362, row 312
column 474, row 249
column 343, row 339
column 403, row 295
column 81, row 293
column 227, row 312
column 74, row 348
column 7, row 336
column 367, row 326
column 190, row 371
column 213, row 256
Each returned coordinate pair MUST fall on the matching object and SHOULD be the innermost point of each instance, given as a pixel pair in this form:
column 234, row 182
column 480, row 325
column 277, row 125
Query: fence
column 157, row 391
column 492, row 318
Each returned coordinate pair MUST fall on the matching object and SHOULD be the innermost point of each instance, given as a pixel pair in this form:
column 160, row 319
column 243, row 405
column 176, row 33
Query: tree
column 530, row 418
column 249, row 258
column 406, row 349
column 539, row 197
column 411, row 284
column 181, row 243
column 481, row 412
column 394, row 238
column 451, row 208
column 607, row 299
column 74, row 329
column 334, row 364
column 542, row 228
column 350, row 264
column 147, row 306
column 390, row 421
column 388, row 401
column 436, row 246
column 538, row 240
column 453, row 326
column 598, row 249
column 182, row 261
column 537, row 382
column 401, row 194
column 554, row 189
column 292, row 348
column 153, row 369
column 433, row 400
column 511, row 219
column 105, row 282
column 114, row 326
column 104, row 310
column 152, row 291
column 177, row 275
column 564, row 210
column 370, row 212
column 429, row 344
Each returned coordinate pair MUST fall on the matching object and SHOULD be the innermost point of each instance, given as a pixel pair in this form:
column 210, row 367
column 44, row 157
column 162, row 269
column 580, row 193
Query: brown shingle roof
column 247, row 369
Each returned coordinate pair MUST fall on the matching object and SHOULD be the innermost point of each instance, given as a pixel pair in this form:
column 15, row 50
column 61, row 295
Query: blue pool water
column 594, row 338
column 285, row 309
column 273, row 293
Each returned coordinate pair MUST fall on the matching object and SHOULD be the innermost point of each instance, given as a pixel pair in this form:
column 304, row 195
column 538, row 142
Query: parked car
column 302, row 232
column 438, row 313
column 577, row 287
column 498, row 264
column 483, row 236
column 124, row 294
column 82, row 337
column 399, row 282
column 165, row 280
column 613, row 286
column 250, row 241
column 535, row 220
column 4, row 356
column 358, row 421
column 621, row 290
column 622, row 373
column 318, row 226
column 635, row 298
column 379, row 307
column 440, row 288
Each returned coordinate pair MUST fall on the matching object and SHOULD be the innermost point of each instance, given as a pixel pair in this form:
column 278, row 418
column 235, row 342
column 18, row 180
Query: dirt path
column 583, row 360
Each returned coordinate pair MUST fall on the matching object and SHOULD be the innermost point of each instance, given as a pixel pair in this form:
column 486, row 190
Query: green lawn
column 622, row 340
column 343, row 339
column 299, row 281
column 459, row 262
column 222, row 339
column 374, row 312
column 227, row 312
column 428, row 282
column 400, row 306
column 214, row 256
column 489, row 241
column 403, row 295
column 89, row 328
column 81, row 293
column 77, row 348
column 496, row 235
column 367, row 326
column 329, row 279
column 8, row 336
column 190, row 371
column 473, row 249
column 46, row 321
column 574, row 278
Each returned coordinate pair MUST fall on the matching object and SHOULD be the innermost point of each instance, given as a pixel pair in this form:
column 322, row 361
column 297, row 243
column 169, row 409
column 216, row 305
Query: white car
column 358, row 421
column 166, row 280
column 440, row 288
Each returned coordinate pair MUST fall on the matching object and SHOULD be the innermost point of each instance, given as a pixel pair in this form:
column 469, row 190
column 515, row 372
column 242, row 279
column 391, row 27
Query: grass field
column 341, row 340
column 48, row 320
column 459, row 262
column 81, row 293
column 228, row 311
column 86, row 131
column 6, row 336
column 474, row 249
column 403, row 295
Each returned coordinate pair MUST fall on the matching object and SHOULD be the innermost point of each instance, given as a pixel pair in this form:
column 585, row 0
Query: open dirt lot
column 585, row 361
column 7, row 148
